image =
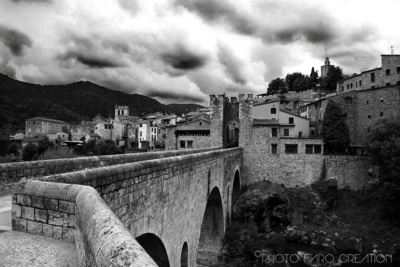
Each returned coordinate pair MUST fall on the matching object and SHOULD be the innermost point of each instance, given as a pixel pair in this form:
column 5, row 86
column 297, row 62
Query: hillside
column 71, row 103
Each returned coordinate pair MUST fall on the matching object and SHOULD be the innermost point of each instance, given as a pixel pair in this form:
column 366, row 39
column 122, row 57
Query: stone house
column 40, row 125
column 188, row 135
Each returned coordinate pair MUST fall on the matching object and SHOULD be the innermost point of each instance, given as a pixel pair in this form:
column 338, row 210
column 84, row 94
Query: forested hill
column 71, row 103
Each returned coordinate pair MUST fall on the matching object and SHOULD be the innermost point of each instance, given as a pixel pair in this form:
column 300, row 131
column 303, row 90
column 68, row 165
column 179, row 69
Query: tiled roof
column 265, row 121
column 46, row 119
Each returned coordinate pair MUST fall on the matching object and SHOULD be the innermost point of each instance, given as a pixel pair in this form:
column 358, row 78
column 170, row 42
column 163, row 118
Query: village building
column 40, row 125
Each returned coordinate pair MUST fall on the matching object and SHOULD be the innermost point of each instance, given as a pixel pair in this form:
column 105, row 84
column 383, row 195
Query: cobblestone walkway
column 23, row 249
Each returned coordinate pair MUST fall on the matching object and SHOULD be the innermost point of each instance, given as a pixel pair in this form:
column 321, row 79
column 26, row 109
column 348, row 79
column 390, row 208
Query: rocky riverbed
column 276, row 226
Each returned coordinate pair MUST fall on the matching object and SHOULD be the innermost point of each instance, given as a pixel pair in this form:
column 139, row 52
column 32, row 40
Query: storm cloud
column 15, row 40
column 185, row 50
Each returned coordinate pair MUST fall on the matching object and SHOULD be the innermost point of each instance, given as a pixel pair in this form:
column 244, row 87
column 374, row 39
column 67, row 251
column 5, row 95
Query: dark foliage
column 291, row 78
column 334, row 75
column 30, row 152
column 334, row 129
column 383, row 146
column 277, row 86
column 107, row 147
column 43, row 145
column 87, row 149
column 70, row 103
column 13, row 149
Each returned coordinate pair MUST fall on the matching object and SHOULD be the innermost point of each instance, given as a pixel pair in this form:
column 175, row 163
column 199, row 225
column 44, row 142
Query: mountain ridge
column 72, row 103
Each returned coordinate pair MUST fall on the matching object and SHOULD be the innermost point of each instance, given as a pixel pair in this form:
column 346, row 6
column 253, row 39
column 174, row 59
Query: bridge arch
column 236, row 186
column 155, row 248
column 184, row 255
column 212, row 230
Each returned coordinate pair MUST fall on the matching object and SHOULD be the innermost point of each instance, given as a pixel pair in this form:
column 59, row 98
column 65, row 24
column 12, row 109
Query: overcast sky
column 180, row 51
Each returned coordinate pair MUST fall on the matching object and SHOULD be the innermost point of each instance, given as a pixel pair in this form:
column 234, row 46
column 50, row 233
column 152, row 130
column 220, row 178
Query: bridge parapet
column 12, row 173
column 76, row 213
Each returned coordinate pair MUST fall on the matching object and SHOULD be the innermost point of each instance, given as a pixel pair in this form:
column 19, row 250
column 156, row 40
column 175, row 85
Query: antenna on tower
column 326, row 52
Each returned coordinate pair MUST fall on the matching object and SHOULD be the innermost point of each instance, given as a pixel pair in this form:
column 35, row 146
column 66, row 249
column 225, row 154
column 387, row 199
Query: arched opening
column 235, row 188
column 232, row 135
column 155, row 248
column 184, row 256
column 212, row 231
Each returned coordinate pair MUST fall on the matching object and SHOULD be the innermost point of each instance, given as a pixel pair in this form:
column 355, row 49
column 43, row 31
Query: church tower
column 121, row 111
column 325, row 68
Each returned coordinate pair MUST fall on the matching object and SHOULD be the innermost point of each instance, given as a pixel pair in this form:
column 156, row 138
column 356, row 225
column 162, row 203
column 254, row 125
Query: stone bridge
column 176, row 206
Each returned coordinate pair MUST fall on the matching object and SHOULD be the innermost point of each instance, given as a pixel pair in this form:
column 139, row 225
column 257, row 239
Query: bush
column 44, row 145
column 86, row 149
column 107, row 147
column 30, row 152
column 57, row 153
column 13, row 149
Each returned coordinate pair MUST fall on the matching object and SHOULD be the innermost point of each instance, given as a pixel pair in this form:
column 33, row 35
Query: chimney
column 233, row 99
column 250, row 96
column 241, row 97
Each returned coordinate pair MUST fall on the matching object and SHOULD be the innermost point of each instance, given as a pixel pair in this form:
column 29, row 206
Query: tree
column 300, row 84
column 334, row 75
column 277, row 86
column 13, row 149
column 44, row 144
column 291, row 78
column 29, row 152
column 334, row 129
column 107, row 147
column 313, row 78
column 383, row 146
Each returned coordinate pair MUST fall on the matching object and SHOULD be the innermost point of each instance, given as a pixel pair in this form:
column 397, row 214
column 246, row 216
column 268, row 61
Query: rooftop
column 46, row 119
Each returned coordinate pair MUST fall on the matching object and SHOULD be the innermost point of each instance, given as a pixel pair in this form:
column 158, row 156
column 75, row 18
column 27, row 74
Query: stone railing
column 11, row 173
column 76, row 213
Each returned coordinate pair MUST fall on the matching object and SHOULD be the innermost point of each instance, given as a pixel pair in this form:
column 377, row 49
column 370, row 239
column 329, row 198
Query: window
column 387, row 84
column 300, row 134
column 359, row 83
column 190, row 144
column 291, row 120
column 381, row 114
column 200, row 123
column 351, row 85
column 348, row 87
column 312, row 132
column 381, row 100
column 273, row 110
column 291, row 149
column 140, row 134
column 388, row 72
column 182, row 144
column 309, row 149
column 372, row 77
column 398, row 70
column 274, row 148
column 274, row 132
column 369, row 116
column 317, row 149
column 367, row 102
column 285, row 132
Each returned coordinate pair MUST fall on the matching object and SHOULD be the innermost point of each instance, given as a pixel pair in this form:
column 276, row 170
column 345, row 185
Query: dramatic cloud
column 14, row 40
column 181, row 50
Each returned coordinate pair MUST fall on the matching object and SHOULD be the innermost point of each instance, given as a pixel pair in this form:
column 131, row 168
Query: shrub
column 57, row 153
column 13, row 149
column 44, row 144
column 107, row 147
column 29, row 152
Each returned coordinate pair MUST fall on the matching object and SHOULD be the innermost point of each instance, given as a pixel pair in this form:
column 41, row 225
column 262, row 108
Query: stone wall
column 300, row 169
column 374, row 104
column 351, row 171
column 77, row 214
column 11, row 173
column 199, row 141
column 166, row 197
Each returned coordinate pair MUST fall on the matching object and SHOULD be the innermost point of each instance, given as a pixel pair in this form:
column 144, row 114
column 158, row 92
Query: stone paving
column 22, row 249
